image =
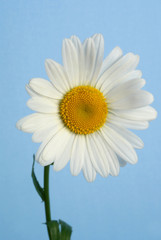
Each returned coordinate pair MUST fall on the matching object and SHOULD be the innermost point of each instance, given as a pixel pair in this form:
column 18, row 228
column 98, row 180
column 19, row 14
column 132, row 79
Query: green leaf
column 54, row 230
column 38, row 188
column 66, row 230
column 59, row 230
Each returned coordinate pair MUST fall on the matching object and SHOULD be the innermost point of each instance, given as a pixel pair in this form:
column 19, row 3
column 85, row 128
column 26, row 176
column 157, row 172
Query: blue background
column 123, row 207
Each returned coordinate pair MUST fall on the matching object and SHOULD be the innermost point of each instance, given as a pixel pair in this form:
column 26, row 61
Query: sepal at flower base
column 38, row 188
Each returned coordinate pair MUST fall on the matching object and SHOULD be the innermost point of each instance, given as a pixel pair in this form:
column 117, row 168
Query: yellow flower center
column 83, row 109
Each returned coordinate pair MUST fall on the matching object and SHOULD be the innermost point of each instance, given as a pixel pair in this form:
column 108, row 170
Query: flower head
column 84, row 112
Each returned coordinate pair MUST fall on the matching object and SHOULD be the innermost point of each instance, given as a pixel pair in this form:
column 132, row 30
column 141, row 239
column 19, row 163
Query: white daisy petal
column 125, row 89
column 140, row 114
column 43, row 105
column 30, row 91
column 77, row 43
column 57, row 75
column 117, row 80
column 63, row 155
column 113, row 75
column 134, row 140
column 58, row 150
column 77, row 155
column 111, row 158
column 80, row 54
column 88, row 169
column 46, row 141
column 40, row 134
column 135, row 74
column 45, row 128
column 35, row 121
column 89, row 58
column 44, row 88
column 135, row 100
column 28, row 123
column 113, row 57
column 70, row 61
column 127, row 123
column 122, row 147
column 99, row 45
column 97, row 155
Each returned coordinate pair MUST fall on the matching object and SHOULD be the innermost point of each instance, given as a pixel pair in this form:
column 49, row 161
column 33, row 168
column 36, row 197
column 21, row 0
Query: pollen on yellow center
column 83, row 109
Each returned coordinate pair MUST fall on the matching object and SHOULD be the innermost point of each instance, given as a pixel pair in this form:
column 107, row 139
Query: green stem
column 47, row 199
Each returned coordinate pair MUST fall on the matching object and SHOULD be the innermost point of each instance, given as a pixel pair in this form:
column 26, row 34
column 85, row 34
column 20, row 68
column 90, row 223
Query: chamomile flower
column 84, row 112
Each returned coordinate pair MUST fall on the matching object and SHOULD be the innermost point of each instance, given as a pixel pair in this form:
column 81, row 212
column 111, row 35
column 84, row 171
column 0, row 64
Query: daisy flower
column 84, row 112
